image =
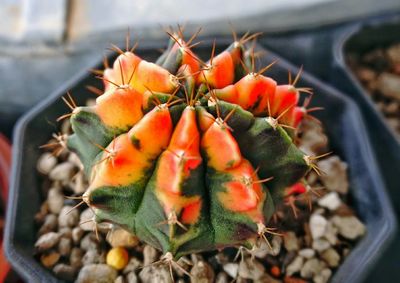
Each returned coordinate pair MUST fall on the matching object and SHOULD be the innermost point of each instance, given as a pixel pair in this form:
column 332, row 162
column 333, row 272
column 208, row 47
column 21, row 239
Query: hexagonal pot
column 362, row 36
column 344, row 127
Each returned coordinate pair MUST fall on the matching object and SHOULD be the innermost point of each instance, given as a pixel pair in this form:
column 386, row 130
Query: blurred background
column 43, row 43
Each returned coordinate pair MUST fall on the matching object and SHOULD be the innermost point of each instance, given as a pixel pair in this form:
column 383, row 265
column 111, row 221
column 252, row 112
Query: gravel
column 379, row 72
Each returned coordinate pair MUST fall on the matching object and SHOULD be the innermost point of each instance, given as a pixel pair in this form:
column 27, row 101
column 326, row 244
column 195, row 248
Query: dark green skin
column 273, row 151
column 241, row 120
column 89, row 131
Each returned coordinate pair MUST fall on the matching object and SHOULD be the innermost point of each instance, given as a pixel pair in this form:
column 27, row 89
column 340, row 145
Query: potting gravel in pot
column 194, row 171
column 378, row 70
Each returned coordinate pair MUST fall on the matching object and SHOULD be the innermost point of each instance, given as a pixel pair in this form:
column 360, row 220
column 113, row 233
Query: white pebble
column 46, row 163
column 86, row 218
column 62, row 172
column 231, row 269
column 47, row 241
column 68, row 217
column 294, row 266
column 320, row 245
column 330, row 201
column 307, row 253
column 55, row 200
column 318, row 225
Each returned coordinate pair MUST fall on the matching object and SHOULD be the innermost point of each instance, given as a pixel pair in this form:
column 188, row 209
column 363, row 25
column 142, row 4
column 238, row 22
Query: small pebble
column 323, row 276
column 65, row 232
column 349, row 227
column 251, row 269
column 335, row 177
column 295, row 266
column 132, row 278
column 97, row 273
column 320, row 245
column 313, row 140
column 150, row 255
column 49, row 225
column 89, row 242
column 50, row 259
column 86, row 216
column 366, row 74
column 330, row 201
column 78, row 185
column 202, row 272
column 276, row 245
column 290, row 241
column 93, row 256
column 331, row 257
column 46, row 163
column 64, row 246
column 62, row 172
column 330, row 233
column 389, row 85
column 75, row 258
column 121, row 238
column 64, row 271
column 47, row 241
column 318, row 225
column 68, row 217
column 310, row 268
column 275, row 271
column 392, row 108
column 231, row 269
column 152, row 274
column 133, row 265
column 120, row 279
column 117, row 258
column 307, row 253
column 262, row 249
column 55, row 200
column 222, row 277
column 77, row 234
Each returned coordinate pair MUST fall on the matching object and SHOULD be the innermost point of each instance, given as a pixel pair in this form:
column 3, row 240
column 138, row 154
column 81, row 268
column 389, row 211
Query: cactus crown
column 189, row 155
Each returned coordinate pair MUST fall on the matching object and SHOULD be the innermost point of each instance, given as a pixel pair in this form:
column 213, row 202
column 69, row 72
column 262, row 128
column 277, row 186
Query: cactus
column 188, row 155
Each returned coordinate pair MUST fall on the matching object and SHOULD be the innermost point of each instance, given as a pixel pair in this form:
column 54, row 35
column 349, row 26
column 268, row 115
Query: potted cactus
column 193, row 156
column 190, row 156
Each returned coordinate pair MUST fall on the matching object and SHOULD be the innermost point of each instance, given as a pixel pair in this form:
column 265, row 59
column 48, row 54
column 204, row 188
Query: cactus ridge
column 188, row 155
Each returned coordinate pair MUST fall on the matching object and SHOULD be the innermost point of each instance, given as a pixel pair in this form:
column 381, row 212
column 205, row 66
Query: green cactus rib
column 193, row 172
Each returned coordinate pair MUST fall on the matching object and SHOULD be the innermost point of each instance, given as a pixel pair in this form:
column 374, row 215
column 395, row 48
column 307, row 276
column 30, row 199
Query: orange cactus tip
column 120, row 108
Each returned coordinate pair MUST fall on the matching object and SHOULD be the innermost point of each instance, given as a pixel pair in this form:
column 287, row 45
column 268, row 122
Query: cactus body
column 192, row 168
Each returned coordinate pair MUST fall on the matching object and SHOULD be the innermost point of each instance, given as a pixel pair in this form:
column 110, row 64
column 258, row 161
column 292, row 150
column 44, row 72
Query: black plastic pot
column 344, row 126
column 362, row 37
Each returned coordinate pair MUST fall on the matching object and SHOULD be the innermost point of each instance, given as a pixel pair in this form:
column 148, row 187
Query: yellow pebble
column 117, row 258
